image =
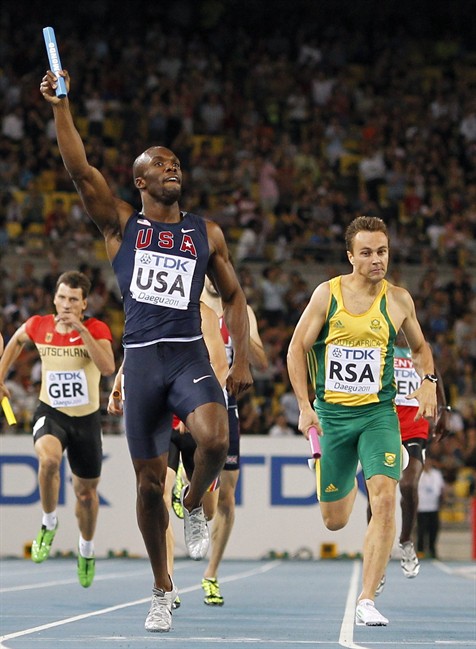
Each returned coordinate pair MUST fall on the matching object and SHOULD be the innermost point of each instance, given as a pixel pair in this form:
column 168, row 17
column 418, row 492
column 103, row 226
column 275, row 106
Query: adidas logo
column 330, row 489
column 337, row 324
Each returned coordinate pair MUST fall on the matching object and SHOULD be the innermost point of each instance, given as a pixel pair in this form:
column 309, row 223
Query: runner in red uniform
column 75, row 351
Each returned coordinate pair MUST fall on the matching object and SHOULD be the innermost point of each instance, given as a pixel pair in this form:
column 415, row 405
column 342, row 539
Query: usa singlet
column 160, row 269
column 69, row 377
column 351, row 362
column 408, row 381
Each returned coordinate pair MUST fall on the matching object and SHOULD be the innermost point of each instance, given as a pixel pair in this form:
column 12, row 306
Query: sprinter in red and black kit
column 161, row 256
column 74, row 351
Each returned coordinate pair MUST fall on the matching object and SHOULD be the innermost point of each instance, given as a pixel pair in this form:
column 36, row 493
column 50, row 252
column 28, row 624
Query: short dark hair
column 366, row 224
column 75, row 279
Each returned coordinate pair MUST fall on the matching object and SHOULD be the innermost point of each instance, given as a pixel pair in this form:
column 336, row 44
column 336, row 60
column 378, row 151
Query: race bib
column 407, row 381
column 163, row 280
column 67, row 389
column 354, row 370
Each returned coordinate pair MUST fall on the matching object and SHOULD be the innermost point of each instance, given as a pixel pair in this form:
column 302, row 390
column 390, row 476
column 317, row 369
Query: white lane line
column 346, row 637
column 240, row 575
column 468, row 572
column 166, row 638
column 224, row 642
column 455, row 643
column 64, row 582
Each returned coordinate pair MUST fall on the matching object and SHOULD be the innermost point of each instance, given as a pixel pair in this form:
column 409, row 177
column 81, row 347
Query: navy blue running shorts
column 161, row 379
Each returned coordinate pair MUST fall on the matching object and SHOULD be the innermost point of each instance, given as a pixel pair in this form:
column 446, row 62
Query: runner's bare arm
column 305, row 334
column 258, row 356
column 11, row 353
column 103, row 208
column 214, row 342
column 222, row 274
column 115, row 405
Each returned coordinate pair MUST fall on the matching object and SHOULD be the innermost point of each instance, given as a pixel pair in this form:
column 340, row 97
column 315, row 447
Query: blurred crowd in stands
column 285, row 135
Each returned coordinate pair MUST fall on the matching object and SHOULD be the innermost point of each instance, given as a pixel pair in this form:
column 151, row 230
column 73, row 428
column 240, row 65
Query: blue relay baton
column 54, row 59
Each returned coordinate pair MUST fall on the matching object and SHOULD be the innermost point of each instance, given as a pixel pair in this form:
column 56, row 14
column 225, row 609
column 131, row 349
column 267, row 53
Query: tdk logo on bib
column 163, row 280
column 353, row 369
column 67, row 389
column 355, row 354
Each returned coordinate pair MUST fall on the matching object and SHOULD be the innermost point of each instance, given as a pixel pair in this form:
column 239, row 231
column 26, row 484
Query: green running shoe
column 179, row 484
column 211, row 589
column 86, row 570
column 176, row 603
column 41, row 546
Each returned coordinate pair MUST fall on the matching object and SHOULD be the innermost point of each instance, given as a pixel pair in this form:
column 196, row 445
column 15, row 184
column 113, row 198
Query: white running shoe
column 197, row 536
column 381, row 586
column 159, row 617
column 409, row 561
column 367, row 615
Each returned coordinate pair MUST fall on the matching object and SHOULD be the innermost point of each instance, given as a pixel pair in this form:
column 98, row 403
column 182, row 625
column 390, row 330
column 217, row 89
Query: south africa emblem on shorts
column 390, row 459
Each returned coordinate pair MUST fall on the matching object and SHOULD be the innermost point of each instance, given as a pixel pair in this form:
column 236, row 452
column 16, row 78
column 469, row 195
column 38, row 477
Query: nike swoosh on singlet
column 207, row 376
column 185, row 231
column 73, row 340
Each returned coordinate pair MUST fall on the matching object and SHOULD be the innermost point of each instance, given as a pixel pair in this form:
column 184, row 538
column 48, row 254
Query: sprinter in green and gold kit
column 351, row 364
column 345, row 339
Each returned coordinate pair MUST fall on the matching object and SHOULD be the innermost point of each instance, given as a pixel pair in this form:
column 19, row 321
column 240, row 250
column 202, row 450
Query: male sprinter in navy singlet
column 160, row 256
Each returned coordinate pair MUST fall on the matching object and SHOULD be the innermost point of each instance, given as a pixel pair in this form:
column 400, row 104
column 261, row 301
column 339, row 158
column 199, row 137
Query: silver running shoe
column 409, row 561
column 381, row 586
column 159, row 617
column 367, row 615
column 197, row 536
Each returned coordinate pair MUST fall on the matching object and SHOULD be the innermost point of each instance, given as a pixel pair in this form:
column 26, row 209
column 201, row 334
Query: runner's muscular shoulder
column 106, row 210
column 20, row 336
column 400, row 305
column 216, row 239
column 220, row 269
column 113, row 228
column 314, row 316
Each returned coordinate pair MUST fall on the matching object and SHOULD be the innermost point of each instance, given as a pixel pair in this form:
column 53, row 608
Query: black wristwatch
column 431, row 377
